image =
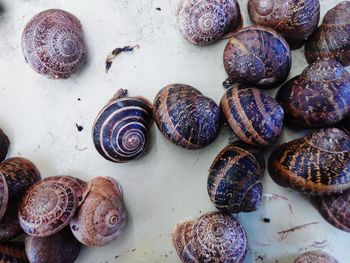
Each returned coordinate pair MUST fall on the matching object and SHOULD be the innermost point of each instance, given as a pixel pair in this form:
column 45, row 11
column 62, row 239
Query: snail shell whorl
column 255, row 118
column 315, row 257
column 186, row 117
column 121, row 130
column 9, row 224
column 257, row 56
column 332, row 38
column 53, row 43
column 204, row 21
column 294, row 20
column 318, row 164
column 4, row 145
column 234, row 182
column 12, row 252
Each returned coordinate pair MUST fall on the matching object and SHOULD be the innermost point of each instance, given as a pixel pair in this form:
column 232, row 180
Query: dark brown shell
column 58, row 248
column 4, row 145
column 4, row 196
column 319, row 97
column 53, row 43
column 332, row 38
column 294, row 20
column 254, row 117
column 12, row 252
column 186, row 117
column 235, row 178
column 315, row 257
column 9, row 224
column 318, row 164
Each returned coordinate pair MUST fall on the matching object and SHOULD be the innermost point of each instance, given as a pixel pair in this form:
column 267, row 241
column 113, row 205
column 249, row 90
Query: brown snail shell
column 331, row 39
column 317, row 164
column 9, row 224
column 53, row 43
column 315, row 257
column 203, row 21
column 102, row 216
column 4, row 145
column 319, row 97
column 61, row 247
column 4, row 196
column 12, row 252
column 294, row 20
column 254, row 117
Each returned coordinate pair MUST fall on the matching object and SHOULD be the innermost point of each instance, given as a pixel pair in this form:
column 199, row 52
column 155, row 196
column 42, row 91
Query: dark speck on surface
column 79, row 99
column 158, row 9
column 266, row 220
column 118, row 256
column 79, row 127
column 133, row 250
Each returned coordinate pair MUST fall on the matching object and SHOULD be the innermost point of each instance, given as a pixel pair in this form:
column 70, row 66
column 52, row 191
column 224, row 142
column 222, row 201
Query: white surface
column 168, row 184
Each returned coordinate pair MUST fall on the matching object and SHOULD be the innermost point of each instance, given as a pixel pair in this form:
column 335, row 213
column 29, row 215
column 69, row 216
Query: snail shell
column 102, row 216
column 186, row 117
column 294, row 20
column 317, row 164
column 257, row 56
column 4, row 145
column 319, row 97
column 121, row 130
column 58, row 248
column 204, row 21
column 12, row 252
column 255, row 118
column 332, row 38
column 53, row 43
column 234, row 182
column 315, row 256
column 9, row 225
column 4, row 196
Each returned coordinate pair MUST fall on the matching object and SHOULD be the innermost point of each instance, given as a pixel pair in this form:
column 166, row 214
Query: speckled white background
column 168, row 184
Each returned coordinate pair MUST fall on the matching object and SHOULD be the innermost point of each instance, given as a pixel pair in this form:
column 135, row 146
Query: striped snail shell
column 4, row 145
column 294, row 20
column 204, row 21
column 215, row 237
column 331, row 39
column 102, row 216
column 254, row 117
column 257, row 56
column 9, row 224
column 315, row 257
column 12, row 252
column 121, row 131
column 186, row 117
column 235, row 178
column 53, row 43
column 319, row 97
column 61, row 247
column 317, row 164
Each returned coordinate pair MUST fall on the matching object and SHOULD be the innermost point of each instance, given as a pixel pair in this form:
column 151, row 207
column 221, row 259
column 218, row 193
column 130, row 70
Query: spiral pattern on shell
column 255, row 118
column 53, row 43
column 294, row 20
column 186, row 117
column 315, row 256
column 332, row 38
column 317, row 164
column 12, row 252
column 4, row 145
column 257, row 56
column 102, row 216
column 204, row 21
column 319, row 97
column 121, row 130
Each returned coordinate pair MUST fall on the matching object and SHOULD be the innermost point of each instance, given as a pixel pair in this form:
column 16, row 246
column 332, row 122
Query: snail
column 4, row 145
column 235, row 178
column 9, row 225
column 102, row 216
column 203, row 21
column 257, row 56
column 12, row 252
column 255, row 118
column 332, row 37
column 121, row 130
column 317, row 164
column 4, row 196
column 315, row 256
column 186, row 117
column 53, row 43
column 319, row 97
column 294, row 20
column 215, row 237
column 61, row 247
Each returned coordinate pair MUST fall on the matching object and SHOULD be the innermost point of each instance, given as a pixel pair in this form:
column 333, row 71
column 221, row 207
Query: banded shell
column 186, row 117
column 235, row 178
column 332, row 38
column 61, row 247
column 319, row 97
column 315, row 257
column 203, row 21
column 53, row 43
column 4, row 145
column 12, row 252
column 215, row 237
column 317, row 164
column 9, row 224
column 257, row 56
column 254, row 117
column 4, row 196
column 121, row 131
column 294, row 20
column 102, row 216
